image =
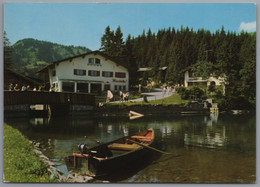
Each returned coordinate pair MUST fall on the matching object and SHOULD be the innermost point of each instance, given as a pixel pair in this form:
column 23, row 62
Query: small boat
column 106, row 158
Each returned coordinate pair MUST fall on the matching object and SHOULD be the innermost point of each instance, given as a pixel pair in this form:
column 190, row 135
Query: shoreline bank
column 31, row 165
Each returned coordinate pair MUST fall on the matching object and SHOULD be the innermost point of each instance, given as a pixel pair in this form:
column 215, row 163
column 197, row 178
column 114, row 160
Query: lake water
column 206, row 149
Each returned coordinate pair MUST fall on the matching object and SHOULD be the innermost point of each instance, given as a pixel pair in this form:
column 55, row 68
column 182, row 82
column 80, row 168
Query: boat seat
column 127, row 147
column 141, row 137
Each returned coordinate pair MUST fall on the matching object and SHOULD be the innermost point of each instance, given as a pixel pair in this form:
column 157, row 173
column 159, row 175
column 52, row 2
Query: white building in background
column 92, row 72
column 213, row 80
column 191, row 80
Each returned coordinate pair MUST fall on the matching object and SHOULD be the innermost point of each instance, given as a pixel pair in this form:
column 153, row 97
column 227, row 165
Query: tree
column 175, row 64
column 248, row 77
column 7, row 52
column 112, row 43
column 118, row 43
column 203, row 69
column 107, row 41
column 130, row 61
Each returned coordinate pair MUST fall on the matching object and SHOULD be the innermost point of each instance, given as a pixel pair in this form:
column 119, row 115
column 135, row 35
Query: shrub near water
column 21, row 163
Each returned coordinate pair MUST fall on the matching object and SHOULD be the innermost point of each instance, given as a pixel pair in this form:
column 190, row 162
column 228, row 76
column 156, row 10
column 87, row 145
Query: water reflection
column 188, row 137
column 213, row 137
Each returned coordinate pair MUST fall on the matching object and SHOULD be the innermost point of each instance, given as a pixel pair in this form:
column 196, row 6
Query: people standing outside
column 28, row 88
column 109, row 96
column 24, row 88
column 121, row 96
column 16, row 87
column 11, row 87
column 164, row 90
column 169, row 90
column 126, row 95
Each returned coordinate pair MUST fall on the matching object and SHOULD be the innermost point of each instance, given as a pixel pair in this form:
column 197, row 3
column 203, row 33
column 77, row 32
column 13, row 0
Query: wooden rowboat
column 106, row 158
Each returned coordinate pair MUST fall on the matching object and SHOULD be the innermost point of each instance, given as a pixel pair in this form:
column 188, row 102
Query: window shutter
column 75, row 72
column 89, row 73
column 111, row 74
column 98, row 73
column 84, row 72
column 103, row 74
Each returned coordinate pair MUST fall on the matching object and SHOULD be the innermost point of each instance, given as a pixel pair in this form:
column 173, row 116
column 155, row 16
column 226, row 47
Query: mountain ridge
column 29, row 54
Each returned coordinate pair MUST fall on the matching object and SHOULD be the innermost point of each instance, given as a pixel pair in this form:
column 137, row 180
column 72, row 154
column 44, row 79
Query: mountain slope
column 30, row 55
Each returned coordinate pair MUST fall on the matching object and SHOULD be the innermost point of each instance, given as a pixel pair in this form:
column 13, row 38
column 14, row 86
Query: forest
column 227, row 54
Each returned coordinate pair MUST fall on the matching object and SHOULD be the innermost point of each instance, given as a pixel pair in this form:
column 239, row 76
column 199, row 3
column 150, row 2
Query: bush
column 196, row 92
column 180, row 90
column 211, row 88
column 186, row 93
column 134, row 95
column 235, row 103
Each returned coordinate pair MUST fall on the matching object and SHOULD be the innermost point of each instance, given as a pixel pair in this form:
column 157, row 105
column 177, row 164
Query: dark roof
column 82, row 55
column 32, row 80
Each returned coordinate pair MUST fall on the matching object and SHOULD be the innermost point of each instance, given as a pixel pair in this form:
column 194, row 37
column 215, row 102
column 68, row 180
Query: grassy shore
column 174, row 99
column 21, row 163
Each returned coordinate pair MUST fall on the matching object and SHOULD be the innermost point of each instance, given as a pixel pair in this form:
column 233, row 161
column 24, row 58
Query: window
column 107, row 74
column 191, row 74
column 91, row 60
column 94, row 61
column 80, row 72
column 97, row 61
column 120, row 87
column 120, row 75
column 93, row 73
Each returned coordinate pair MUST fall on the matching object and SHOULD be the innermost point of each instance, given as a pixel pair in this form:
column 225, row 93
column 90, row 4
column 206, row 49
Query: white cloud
column 248, row 27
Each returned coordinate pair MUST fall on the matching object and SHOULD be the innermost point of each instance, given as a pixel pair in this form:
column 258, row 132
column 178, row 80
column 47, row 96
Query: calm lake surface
column 206, row 149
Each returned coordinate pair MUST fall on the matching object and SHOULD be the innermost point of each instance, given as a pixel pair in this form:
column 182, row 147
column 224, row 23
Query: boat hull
column 107, row 166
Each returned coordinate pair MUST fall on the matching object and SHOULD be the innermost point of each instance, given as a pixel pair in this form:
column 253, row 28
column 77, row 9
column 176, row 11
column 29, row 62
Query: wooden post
column 75, row 159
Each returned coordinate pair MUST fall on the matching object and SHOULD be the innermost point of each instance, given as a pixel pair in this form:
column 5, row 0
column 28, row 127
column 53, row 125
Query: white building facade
column 92, row 72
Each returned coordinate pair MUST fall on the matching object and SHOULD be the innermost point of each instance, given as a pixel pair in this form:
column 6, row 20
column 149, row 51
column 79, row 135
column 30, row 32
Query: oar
column 93, row 140
column 147, row 146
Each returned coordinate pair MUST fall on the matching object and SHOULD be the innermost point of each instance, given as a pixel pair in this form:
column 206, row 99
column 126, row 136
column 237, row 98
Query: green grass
column 174, row 99
column 21, row 163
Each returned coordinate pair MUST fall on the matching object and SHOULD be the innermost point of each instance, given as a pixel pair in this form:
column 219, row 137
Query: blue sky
column 83, row 24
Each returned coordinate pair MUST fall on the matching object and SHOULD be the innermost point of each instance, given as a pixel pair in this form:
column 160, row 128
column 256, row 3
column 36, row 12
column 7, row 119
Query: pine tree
column 118, row 43
column 7, row 52
column 107, row 41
